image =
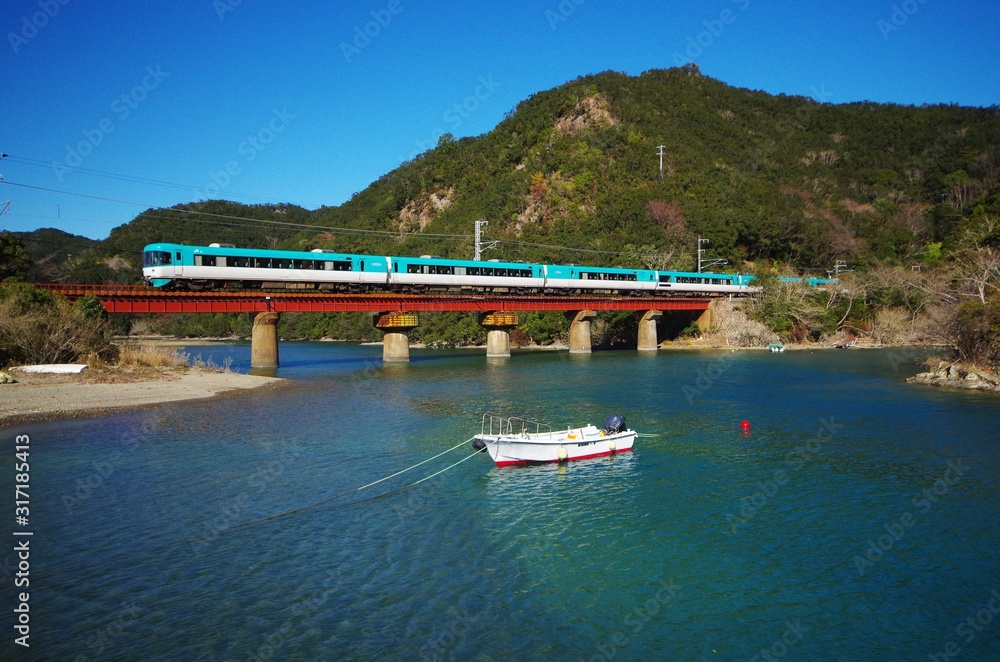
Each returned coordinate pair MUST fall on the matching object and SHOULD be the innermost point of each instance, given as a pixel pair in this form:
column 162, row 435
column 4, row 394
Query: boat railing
column 497, row 424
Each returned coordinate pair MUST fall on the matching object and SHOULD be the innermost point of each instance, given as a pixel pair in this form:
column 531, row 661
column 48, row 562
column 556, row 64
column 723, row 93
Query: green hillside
column 760, row 176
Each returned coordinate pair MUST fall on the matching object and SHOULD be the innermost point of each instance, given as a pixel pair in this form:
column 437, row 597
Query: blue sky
column 152, row 104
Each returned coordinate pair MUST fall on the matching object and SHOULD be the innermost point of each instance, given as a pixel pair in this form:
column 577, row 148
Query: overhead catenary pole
column 479, row 241
column 479, row 238
column 707, row 263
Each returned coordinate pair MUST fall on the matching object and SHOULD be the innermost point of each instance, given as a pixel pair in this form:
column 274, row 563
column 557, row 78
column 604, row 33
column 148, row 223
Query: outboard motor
column 614, row 424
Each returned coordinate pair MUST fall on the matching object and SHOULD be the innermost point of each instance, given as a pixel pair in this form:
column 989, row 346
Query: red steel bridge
column 396, row 313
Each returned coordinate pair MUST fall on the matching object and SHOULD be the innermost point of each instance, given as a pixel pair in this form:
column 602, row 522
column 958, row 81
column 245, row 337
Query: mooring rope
column 417, row 482
column 376, row 482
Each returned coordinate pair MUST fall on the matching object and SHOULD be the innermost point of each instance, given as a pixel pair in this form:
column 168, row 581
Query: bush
column 37, row 326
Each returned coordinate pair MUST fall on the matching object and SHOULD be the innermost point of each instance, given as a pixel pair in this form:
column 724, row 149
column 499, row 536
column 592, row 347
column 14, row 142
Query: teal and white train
column 224, row 265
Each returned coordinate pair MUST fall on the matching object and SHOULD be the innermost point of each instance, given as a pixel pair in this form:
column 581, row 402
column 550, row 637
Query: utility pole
column 661, row 148
column 479, row 237
column 707, row 263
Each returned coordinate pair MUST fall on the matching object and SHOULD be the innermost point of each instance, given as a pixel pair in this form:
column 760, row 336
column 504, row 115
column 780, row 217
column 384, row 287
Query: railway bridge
column 394, row 314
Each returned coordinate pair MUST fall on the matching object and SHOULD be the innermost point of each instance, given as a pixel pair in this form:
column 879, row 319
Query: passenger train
column 220, row 265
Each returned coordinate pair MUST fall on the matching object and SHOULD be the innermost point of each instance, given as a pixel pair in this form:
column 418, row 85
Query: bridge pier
column 264, row 340
column 579, row 330
column 647, row 341
column 498, row 326
column 396, row 341
column 706, row 321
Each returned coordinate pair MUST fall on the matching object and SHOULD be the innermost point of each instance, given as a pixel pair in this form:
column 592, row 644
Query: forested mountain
column 781, row 178
column 761, row 176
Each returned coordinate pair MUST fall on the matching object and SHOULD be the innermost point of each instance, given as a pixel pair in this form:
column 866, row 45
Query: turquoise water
column 856, row 521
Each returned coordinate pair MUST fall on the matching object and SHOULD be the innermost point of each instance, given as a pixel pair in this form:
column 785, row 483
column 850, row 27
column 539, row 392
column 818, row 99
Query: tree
column 977, row 263
column 14, row 260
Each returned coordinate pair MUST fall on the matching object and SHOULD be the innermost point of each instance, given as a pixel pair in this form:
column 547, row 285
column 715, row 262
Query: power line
column 182, row 209
column 130, row 178
column 301, row 226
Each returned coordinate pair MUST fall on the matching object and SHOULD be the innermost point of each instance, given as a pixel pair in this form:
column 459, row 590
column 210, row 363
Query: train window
column 155, row 258
column 472, row 271
column 262, row 263
column 342, row 265
column 362, row 265
column 178, row 256
column 413, row 268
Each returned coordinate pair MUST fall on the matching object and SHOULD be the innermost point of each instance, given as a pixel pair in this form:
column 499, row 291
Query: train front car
column 218, row 265
column 161, row 263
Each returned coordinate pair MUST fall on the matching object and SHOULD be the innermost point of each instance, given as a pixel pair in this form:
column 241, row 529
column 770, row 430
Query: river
column 857, row 520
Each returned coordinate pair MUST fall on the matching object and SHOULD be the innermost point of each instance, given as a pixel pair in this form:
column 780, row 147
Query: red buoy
column 745, row 425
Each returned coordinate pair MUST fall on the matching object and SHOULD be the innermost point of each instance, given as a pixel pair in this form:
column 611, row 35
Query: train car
column 430, row 273
column 576, row 277
column 686, row 281
column 207, row 267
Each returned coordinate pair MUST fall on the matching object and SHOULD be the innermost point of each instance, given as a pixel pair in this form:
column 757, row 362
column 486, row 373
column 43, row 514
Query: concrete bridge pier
column 396, row 341
column 707, row 320
column 579, row 330
column 264, row 340
column 647, row 341
column 498, row 326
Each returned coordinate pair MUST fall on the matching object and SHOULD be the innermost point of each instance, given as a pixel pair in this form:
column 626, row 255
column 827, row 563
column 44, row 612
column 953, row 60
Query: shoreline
column 36, row 398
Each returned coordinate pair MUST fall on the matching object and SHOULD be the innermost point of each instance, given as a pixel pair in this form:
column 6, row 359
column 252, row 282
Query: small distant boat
column 776, row 347
column 511, row 440
column 846, row 343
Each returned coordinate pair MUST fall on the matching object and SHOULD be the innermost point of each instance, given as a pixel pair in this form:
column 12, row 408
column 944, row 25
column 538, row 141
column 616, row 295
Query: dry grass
column 138, row 362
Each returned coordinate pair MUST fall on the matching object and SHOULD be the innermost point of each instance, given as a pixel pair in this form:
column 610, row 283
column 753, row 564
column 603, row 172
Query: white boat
column 511, row 440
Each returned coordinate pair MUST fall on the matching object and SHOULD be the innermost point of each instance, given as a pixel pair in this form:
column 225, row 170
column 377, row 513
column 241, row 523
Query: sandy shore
column 44, row 397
